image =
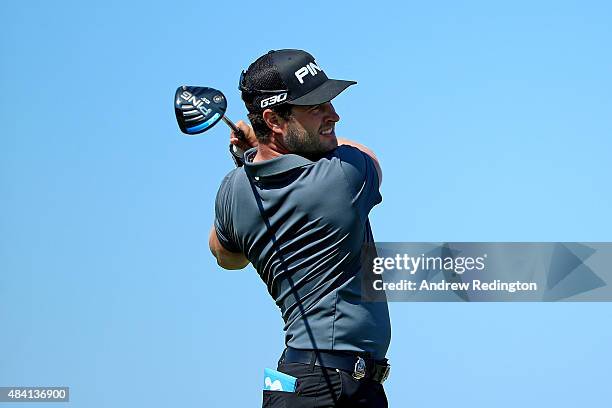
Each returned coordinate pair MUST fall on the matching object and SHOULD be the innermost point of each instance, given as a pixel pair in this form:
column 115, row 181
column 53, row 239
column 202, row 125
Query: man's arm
column 225, row 259
column 366, row 150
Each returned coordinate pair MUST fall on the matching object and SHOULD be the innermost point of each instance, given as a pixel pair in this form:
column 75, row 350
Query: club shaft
column 231, row 124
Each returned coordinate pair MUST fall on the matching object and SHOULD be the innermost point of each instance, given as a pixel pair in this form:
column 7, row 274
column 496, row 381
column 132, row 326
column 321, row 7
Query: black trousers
column 325, row 387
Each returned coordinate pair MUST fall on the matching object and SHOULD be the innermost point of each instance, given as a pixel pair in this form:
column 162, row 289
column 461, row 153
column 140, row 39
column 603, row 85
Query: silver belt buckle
column 360, row 369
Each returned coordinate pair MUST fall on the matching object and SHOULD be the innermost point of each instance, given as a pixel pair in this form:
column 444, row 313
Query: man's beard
column 303, row 142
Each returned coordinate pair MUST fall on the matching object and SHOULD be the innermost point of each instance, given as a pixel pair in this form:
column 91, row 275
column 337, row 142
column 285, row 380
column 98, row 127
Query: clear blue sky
column 492, row 122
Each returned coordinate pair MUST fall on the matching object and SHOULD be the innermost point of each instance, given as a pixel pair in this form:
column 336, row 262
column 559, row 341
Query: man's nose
column 331, row 112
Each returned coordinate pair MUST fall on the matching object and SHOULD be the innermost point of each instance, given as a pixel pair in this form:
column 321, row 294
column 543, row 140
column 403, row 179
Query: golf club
column 198, row 109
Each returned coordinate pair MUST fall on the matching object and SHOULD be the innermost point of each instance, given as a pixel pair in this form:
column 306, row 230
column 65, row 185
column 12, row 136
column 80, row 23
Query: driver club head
column 198, row 109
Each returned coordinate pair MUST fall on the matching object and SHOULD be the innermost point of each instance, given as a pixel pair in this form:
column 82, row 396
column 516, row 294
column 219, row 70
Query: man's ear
column 274, row 122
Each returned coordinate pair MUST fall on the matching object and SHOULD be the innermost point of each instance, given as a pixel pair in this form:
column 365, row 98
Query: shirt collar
column 272, row 167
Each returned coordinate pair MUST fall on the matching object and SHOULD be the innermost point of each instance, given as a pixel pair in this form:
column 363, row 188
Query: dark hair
column 262, row 75
column 261, row 128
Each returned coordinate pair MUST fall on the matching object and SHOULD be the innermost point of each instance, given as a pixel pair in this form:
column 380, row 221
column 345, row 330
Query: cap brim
column 325, row 92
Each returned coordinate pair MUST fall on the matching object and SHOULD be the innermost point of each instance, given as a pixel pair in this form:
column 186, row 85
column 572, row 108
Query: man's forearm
column 365, row 149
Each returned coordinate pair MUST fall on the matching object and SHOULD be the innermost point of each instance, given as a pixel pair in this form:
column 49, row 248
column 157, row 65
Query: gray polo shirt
column 302, row 224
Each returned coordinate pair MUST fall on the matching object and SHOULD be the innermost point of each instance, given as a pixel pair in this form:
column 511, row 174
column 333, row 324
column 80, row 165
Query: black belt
column 376, row 370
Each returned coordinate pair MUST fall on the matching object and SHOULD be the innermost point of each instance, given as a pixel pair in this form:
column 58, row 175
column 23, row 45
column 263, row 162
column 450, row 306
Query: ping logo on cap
column 311, row 68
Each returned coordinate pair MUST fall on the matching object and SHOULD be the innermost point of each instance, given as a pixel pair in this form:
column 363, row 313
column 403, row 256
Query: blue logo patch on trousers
column 277, row 381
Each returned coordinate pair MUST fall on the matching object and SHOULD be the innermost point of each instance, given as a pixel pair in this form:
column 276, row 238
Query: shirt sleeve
column 224, row 226
column 362, row 178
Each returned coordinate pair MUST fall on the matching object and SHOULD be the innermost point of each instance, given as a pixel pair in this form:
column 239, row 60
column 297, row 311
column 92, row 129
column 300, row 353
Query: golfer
column 298, row 211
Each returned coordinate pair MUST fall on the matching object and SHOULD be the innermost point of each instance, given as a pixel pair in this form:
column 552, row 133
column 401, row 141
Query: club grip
column 239, row 134
column 237, row 153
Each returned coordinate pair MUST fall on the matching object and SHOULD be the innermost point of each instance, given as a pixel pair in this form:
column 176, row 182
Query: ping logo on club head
column 197, row 103
column 273, row 100
column 311, row 68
